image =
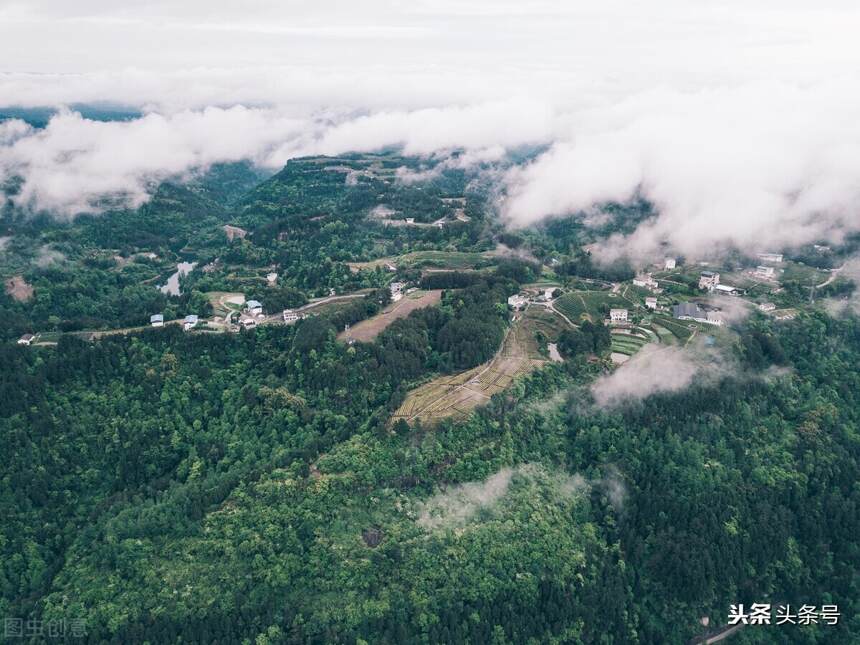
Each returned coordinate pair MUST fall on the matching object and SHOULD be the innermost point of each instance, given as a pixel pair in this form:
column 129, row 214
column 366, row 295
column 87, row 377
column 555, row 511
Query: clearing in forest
column 575, row 304
column 456, row 395
column 19, row 288
column 439, row 259
column 367, row 330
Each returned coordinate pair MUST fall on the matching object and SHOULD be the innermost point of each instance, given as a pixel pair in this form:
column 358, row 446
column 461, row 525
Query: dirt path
column 552, row 308
column 833, row 275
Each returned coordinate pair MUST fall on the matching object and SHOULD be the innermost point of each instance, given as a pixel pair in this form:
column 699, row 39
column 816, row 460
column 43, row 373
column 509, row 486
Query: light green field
column 575, row 304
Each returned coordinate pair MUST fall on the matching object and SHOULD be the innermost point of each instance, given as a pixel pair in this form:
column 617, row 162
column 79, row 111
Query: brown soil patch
column 19, row 288
column 367, row 330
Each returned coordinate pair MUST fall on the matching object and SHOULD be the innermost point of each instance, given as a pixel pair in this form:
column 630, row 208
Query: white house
column 271, row 278
column 26, row 339
column 390, row 267
column 254, row 307
column 645, row 280
column 767, row 306
column 517, row 301
column 618, row 315
column 709, row 280
column 764, row 271
column 770, row 257
column 396, row 289
column 669, row 264
column 410, row 220
column 727, row 289
column 190, row 322
column 651, row 303
column 290, row 316
column 156, row 320
column 714, row 318
column 248, row 322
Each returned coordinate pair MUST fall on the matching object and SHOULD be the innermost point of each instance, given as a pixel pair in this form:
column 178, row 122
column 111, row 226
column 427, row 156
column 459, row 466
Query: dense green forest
column 216, row 489
column 172, row 487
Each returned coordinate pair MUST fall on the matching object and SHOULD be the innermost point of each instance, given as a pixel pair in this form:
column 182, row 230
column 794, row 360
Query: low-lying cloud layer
column 657, row 370
column 754, row 167
column 758, row 166
column 74, row 162
column 737, row 119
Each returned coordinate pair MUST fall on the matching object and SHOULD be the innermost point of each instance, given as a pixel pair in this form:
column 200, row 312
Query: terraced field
column 458, row 394
column 680, row 329
column 627, row 344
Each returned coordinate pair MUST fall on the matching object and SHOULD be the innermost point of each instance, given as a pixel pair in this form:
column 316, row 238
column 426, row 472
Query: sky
column 737, row 118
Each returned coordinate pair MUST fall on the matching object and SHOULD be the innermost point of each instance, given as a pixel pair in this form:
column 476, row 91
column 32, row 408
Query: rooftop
column 688, row 309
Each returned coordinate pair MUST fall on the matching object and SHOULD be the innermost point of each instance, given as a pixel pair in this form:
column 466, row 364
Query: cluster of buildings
column 770, row 257
column 517, row 301
column 764, row 270
column 253, row 311
column 710, row 281
column 647, row 281
column 520, row 300
column 692, row 311
column 189, row 322
column 396, row 289
column 291, row 316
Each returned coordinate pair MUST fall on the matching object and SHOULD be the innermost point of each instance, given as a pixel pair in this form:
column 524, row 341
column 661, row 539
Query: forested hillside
column 170, row 486
column 217, row 489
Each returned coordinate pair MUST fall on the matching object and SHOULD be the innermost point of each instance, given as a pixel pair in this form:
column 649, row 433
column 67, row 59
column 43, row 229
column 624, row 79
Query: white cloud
column 73, row 162
column 656, row 370
column 735, row 117
column 752, row 166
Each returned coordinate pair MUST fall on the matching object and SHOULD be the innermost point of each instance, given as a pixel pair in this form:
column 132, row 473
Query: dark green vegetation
column 227, row 488
column 216, row 488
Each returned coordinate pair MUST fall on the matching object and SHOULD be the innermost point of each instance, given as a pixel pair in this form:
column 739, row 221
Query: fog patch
column 46, row 256
column 658, row 370
column 731, row 309
column 849, row 304
column 463, row 501
column 459, row 504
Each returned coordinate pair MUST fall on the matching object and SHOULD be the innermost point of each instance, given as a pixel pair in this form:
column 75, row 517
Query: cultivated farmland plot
column 457, row 395
column 367, row 330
